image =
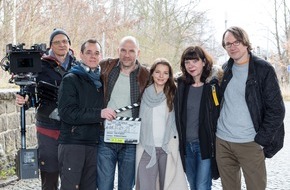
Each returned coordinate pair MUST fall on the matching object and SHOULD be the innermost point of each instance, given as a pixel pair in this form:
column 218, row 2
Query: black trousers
column 48, row 162
column 49, row 180
column 78, row 166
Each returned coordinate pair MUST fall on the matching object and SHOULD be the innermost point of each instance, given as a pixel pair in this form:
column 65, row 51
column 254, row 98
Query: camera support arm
column 22, row 120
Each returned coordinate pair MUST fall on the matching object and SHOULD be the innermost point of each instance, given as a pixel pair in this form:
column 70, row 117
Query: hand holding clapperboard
column 124, row 130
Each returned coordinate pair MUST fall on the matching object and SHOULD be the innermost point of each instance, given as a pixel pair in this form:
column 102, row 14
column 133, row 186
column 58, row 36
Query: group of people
column 207, row 123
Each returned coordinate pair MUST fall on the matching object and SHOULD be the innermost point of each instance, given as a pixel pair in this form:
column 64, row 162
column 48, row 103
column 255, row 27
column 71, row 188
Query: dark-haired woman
column 197, row 110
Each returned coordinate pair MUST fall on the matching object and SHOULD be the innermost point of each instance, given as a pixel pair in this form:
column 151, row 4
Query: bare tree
column 164, row 27
column 277, row 36
column 282, row 39
column 286, row 11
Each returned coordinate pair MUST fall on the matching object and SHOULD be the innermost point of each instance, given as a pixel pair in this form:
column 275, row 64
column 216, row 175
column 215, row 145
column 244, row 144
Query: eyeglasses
column 60, row 42
column 235, row 43
column 89, row 53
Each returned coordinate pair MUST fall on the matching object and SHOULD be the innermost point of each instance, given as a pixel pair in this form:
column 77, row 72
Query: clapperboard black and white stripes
column 128, row 119
column 135, row 105
column 123, row 129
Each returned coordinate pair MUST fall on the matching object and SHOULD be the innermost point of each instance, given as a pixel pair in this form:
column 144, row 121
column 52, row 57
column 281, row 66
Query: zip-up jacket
column 51, row 73
column 80, row 105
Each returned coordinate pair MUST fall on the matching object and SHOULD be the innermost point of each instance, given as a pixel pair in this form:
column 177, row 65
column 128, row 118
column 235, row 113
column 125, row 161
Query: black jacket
column 51, row 73
column 208, row 115
column 264, row 101
column 80, row 105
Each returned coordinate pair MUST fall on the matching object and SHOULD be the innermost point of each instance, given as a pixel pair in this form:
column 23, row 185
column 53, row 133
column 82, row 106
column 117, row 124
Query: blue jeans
column 109, row 154
column 198, row 171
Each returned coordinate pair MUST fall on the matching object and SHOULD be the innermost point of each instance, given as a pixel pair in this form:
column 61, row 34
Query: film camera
column 23, row 64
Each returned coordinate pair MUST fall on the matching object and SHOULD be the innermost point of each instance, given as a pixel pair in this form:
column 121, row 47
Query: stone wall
column 10, row 136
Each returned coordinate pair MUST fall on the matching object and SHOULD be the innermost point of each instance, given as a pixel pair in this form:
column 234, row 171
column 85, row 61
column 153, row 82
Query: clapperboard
column 125, row 130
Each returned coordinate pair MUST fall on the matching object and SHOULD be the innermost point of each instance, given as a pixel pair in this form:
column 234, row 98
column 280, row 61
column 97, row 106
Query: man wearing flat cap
column 55, row 64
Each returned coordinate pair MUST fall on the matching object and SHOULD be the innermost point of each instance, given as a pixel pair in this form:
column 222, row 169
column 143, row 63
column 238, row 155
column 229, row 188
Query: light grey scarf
column 151, row 99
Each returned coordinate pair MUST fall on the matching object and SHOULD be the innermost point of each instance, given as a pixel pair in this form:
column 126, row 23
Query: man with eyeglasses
column 81, row 103
column 250, row 126
column 55, row 64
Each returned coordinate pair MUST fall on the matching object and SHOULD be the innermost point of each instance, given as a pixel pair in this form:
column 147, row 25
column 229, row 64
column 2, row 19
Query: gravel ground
column 278, row 169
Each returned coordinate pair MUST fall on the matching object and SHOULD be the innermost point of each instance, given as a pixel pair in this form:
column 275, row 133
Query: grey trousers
column 148, row 176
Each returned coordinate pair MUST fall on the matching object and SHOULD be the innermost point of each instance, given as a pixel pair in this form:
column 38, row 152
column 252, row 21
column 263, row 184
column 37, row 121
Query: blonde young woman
column 158, row 163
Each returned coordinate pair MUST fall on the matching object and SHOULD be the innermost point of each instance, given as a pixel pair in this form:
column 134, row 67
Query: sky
column 254, row 16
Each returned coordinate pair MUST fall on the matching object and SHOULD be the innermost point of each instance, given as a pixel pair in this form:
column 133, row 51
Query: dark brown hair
column 196, row 53
column 91, row 41
column 169, row 87
column 240, row 34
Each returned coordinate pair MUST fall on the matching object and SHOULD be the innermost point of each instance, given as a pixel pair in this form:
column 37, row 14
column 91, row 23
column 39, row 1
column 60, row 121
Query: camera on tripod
column 23, row 64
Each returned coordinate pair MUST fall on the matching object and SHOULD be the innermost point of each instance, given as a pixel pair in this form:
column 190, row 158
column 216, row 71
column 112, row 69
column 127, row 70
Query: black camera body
column 25, row 60
column 23, row 64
